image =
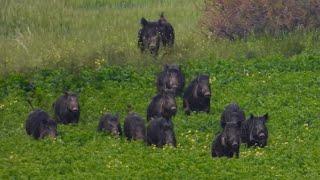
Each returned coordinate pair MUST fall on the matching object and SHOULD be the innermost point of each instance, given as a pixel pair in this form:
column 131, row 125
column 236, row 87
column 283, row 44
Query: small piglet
column 197, row 95
column 232, row 113
column 163, row 104
column 39, row 125
column 254, row 131
column 110, row 123
column 66, row 108
column 160, row 132
column 134, row 127
column 171, row 79
column 227, row 143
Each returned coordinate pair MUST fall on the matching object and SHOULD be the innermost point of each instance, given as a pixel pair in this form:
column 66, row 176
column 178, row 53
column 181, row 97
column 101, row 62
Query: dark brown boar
column 134, row 127
column 166, row 31
column 254, row 131
column 160, row 132
column 67, row 109
column 153, row 33
column 171, row 79
column 232, row 113
column 197, row 95
column 39, row 125
column 163, row 104
column 227, row 143
column 110, row 124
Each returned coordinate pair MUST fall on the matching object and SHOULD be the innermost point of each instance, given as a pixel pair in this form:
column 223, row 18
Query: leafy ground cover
column 90, row 47
column 288, row 89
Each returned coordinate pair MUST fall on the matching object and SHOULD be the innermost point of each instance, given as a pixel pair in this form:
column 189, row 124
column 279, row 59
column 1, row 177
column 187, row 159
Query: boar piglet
column 254, row 131
column 66, row 108
column 197, row 95
column 171, row 79
column 110, row 123
column 227, row 143
column 39, row 125
column 134, row 127
column 163, row 104
column 160, row 132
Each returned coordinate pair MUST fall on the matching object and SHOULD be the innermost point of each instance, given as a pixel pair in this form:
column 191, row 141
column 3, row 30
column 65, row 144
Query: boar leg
column 207, row 107
column 186, row 107
column 237, row 153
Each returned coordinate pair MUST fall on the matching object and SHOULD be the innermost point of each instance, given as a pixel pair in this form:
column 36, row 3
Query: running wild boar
column 67, row 109
column 197, row 95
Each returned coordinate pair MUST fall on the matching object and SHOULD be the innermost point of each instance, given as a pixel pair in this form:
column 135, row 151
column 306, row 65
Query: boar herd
column 160, row 112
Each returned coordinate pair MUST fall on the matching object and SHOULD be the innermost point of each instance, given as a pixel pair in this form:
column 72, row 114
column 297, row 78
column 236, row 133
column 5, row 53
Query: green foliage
column 288, row 89
column 89, row 47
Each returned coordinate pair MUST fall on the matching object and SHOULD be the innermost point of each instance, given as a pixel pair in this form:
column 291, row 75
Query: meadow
column 90, row 47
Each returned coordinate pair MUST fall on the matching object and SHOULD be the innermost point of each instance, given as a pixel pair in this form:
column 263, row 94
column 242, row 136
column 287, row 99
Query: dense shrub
column 238, row 18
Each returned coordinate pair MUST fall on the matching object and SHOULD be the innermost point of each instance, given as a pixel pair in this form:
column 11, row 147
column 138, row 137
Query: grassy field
column 90, row 47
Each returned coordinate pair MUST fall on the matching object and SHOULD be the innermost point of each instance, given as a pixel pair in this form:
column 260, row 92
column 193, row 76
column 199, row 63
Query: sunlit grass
column 73, row 34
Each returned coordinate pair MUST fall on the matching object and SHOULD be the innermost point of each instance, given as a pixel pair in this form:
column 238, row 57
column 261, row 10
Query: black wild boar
column 149, row 36
column 254, row 131
column 110, row 123
column 232, row 113
column 153, row 33
column 227, row 143
column 160, row 132
column 197, row 95
column 166, row 32
column 134, row 127
column 39, row 125
column 67, row 109
column 170, row 79
column 163, row 104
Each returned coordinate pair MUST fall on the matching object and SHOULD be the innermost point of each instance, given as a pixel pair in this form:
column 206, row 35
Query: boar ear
column 66, row 93
column 162, row 15
column 266, row 117
column 166, row 67
column 117, row 116
column 143, row 21
column 129, row 108
column 198, row 78
column 162, row 19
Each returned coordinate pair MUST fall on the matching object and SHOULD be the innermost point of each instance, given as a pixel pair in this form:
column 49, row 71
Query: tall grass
column 76, row 33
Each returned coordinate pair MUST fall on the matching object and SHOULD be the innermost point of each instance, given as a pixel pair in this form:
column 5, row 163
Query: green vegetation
column 81, row 45
column 77, row 33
